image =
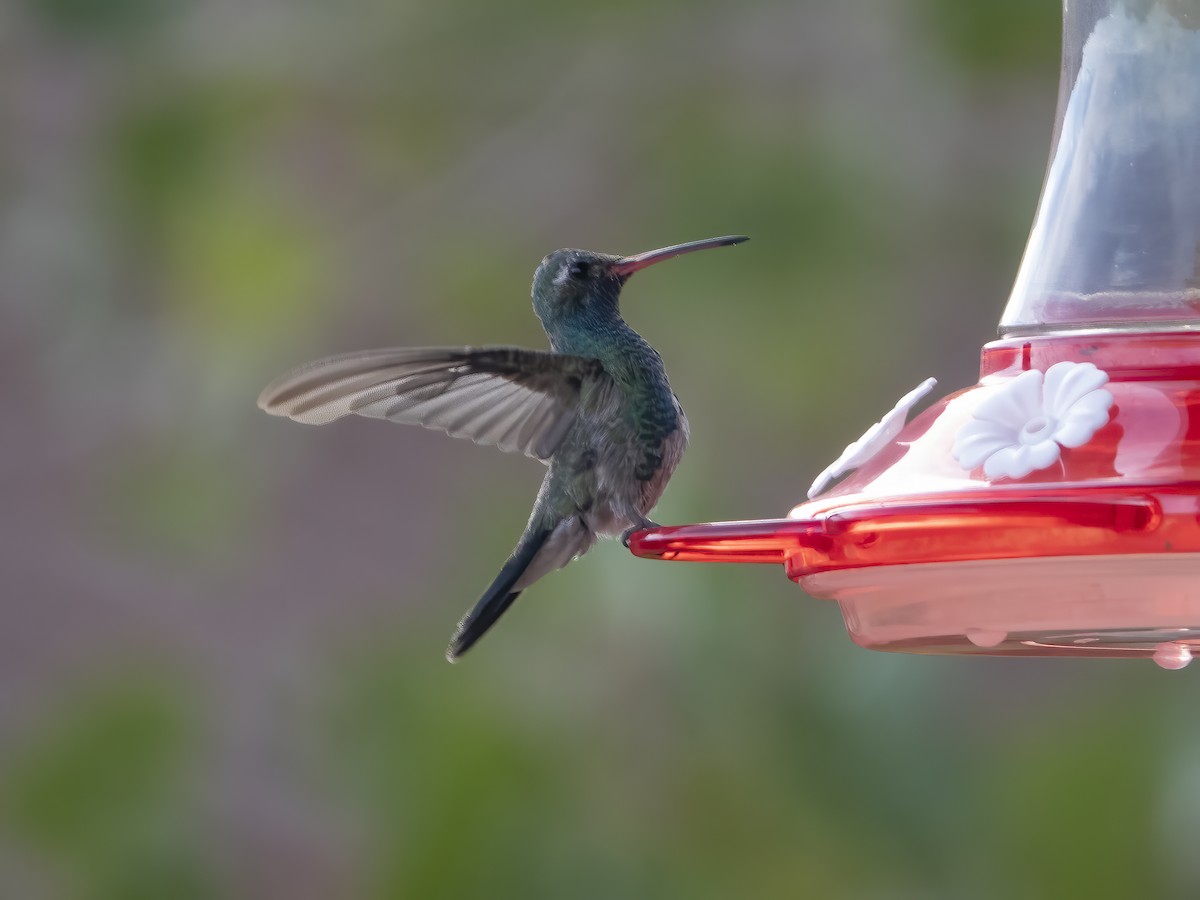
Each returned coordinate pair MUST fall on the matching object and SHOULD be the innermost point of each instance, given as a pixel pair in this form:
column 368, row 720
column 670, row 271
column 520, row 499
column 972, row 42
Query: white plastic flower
column 876, row 438
column 1023, row 425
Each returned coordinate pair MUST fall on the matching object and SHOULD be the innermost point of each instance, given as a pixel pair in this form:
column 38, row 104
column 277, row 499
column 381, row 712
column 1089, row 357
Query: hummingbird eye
column 579, row 270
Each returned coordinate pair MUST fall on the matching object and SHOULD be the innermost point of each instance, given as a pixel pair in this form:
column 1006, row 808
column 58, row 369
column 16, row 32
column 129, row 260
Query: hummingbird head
column 579, row 286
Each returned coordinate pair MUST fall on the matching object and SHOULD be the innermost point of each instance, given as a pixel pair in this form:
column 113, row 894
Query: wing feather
column 513, row 398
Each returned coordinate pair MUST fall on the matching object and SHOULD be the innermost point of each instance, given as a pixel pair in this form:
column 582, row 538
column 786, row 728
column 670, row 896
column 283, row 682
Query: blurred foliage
column 1105, row 856
column 998, row 35
column 102, row 19
column 174, row 502
column 198, row 195
column 98, row 791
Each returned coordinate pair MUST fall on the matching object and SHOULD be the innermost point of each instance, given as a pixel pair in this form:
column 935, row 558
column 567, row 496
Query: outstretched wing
column 513, row 398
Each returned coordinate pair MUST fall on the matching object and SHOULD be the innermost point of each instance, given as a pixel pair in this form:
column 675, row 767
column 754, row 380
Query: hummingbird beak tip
column 627, row 265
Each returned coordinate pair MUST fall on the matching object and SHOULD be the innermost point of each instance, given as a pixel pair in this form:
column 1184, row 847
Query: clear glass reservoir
column 1116, row 239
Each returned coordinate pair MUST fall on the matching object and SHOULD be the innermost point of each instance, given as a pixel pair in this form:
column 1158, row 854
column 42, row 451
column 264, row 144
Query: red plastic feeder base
column 1095, row 552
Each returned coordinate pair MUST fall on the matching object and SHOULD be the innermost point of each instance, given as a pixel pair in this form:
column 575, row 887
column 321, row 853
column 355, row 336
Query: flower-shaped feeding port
column 1054, row 507
column 1026, row 422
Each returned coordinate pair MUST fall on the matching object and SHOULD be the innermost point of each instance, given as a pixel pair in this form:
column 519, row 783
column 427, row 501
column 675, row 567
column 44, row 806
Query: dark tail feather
column 497, row 599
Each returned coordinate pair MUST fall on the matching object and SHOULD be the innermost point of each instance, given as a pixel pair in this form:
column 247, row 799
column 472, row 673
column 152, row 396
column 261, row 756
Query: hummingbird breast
column 616, row 461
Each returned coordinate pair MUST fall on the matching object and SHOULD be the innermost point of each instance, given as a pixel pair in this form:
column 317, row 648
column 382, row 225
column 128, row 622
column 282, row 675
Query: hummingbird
column 596, row 408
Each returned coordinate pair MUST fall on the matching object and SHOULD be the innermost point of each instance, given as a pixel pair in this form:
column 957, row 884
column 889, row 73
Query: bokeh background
column 221, row 668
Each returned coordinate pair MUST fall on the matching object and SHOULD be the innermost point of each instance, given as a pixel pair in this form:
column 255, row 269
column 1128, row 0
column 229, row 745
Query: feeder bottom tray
column 1102, row 606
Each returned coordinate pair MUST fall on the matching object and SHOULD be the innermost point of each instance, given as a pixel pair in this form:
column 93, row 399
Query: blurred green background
column 221, row 668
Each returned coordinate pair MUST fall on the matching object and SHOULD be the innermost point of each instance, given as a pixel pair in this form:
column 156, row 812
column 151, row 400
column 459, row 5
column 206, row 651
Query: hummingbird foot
column 640, row 526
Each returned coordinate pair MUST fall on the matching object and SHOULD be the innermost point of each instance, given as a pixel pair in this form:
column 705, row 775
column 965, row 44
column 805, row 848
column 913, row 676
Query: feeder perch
column 1052, row 509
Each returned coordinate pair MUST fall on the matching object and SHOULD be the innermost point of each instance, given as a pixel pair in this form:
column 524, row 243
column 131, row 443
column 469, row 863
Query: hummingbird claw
column 630, row 532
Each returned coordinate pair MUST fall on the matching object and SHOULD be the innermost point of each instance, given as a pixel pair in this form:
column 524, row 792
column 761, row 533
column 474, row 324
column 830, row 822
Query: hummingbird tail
column 498, row 597
column 540, row 550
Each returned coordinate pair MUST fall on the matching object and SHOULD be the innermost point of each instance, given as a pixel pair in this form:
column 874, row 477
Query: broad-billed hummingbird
column 596, row 407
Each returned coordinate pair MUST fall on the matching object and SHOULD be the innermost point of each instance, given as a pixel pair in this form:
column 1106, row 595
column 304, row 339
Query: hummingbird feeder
column 1052, row 509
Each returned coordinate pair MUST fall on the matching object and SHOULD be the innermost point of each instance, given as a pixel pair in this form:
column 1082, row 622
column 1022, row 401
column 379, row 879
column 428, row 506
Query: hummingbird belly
column 610, row 491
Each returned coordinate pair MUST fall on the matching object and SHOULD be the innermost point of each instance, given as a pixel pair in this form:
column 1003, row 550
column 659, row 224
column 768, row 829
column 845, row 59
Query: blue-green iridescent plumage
column 582, row 318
